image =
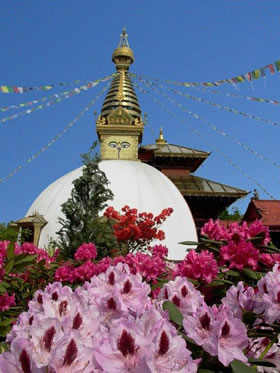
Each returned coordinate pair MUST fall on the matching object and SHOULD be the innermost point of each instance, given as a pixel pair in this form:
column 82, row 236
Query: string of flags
column 226, row 108
column 57, row 98
column 24, row 89
column 235, row 95
column 57, row 137
column 203, row 89
column 33, row 102
column 218, row 106
column 261, row 72
column 225, row 156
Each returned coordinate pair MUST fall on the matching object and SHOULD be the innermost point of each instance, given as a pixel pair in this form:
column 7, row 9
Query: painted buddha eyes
column 113, row 144
column 123, row 145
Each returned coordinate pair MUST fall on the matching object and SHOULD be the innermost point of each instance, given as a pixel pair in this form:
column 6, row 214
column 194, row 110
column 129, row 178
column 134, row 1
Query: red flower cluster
column 133, row 226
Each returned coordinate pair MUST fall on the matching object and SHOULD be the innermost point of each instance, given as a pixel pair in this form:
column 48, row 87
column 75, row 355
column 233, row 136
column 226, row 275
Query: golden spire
column 119, row 126
column 121, row 92
column 123, row 56
column 161, row 140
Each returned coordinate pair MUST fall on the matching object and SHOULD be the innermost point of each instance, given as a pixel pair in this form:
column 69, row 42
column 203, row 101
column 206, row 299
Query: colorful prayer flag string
column 225, row 156
column 65, row 95
column 33, row 102
column 247, row 77
column 57, row 137
column 24, row 89
column 226, row 108
column 203, row 89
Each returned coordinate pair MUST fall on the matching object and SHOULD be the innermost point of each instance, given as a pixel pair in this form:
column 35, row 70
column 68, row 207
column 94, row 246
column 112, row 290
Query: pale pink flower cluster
column 256, row 348
column 198, row 266
column 263, row 300
column 108, row 325
column 215, row 329
column 218, row 332
column 86, row 251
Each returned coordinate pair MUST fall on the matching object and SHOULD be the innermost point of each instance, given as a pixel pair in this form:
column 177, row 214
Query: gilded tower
column 119, row 126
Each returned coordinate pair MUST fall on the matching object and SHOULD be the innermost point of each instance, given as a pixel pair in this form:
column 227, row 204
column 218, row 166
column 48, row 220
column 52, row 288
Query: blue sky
column 53, row 41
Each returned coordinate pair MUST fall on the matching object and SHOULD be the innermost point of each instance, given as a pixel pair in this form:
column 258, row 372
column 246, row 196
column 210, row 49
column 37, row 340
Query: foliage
column 234, row 214
column 82, row 223
column 9, row 233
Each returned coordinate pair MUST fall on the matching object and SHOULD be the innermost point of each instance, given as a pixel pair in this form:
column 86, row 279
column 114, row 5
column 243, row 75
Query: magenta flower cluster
column 238, row 251
column 198, row 266
column 110, row 324
column 148, row 266
column 86, row 251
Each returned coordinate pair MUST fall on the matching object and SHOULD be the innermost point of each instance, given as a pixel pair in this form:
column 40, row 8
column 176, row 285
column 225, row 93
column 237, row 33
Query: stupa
column 137, row 184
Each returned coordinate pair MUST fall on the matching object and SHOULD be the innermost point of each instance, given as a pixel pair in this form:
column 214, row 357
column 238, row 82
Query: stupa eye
column 125, row 144
column 113, row 144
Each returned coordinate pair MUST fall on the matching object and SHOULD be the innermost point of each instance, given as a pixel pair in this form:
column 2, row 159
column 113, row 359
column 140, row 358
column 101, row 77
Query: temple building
column 149, row 178
column 206, row 198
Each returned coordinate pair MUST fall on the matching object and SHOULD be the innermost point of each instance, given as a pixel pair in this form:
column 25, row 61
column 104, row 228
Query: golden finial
column 123, row 56
column 161, row 140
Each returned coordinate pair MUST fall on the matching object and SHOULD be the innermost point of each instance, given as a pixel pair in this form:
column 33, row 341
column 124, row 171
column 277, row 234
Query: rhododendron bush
column 218, row 310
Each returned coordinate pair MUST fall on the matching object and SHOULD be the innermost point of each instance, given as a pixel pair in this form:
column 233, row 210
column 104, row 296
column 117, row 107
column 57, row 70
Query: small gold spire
column 123, row 56
column 161, row 140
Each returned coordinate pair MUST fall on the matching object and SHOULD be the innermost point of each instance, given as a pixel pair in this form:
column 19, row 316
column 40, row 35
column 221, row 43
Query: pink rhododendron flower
column 232, row 337
column 256, row 228
column 86, row 251
column 85, row 271
column 240, row 255
column 65, row 273
column 31, row 249
column 183, row 294
column 150, row 267
column 6, row 301
column 198, row 266
column 240, row 299
column 3, row 251
column 214, row 230
column 218, row 332
column 256, row 348
column 159, row 250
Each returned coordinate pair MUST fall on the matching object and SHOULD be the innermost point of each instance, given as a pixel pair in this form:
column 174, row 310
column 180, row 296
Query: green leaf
column 232, row 273
column 239, row 367
column 27, row 259
column 10, row 251
column 188, row 243
column 2, row 289
column 252, row 274
column 9, row 265
column 174, row 314
column 205, row 371
column 264, row 363
column 249, row 317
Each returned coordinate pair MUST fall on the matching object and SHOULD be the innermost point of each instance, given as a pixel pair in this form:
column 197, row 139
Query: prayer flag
column 277, row 64
column 271, row 68
column 256, row 73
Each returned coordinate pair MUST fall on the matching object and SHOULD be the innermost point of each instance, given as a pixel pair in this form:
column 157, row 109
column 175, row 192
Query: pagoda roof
column 190, row 185
column 35, row 218
column 267, row 210
column 171, row 150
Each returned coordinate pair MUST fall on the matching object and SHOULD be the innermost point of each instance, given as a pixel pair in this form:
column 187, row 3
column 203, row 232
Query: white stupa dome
column 133, row 183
